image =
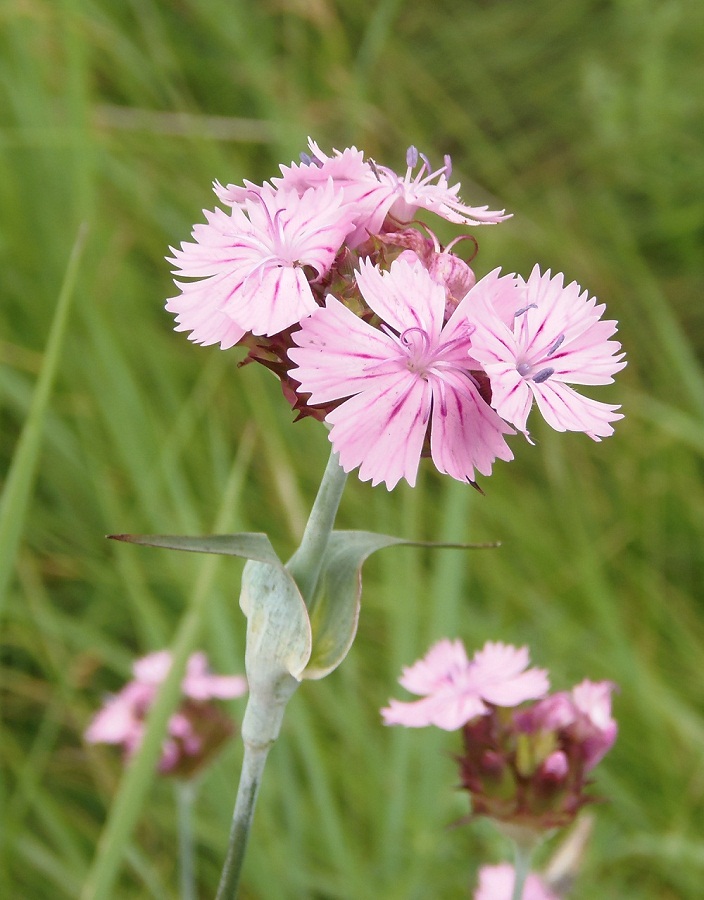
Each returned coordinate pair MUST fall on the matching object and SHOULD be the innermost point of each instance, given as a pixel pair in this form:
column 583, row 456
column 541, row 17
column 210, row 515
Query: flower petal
column 444, row 658
column 382, row 430
column 566, row 410
column 404, row 297
column 448, row 711
column 339, row 354
column 466, row 433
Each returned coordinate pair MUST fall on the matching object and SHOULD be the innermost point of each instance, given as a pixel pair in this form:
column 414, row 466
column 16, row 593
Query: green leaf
column 283, row 637
column 334, row 611
column 278, row 627
column 248, row 545
column 16, row 494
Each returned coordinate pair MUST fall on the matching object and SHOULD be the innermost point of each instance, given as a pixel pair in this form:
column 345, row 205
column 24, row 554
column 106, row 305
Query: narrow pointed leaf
column 17, row 490
column 334, row 611
column 248, row 545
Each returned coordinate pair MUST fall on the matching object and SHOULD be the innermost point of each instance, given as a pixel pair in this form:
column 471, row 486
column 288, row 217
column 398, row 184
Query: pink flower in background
column 195, row 730
column 533, row 351
column 581, row 716
column 456, row 689
column 199, row 683
column 256, row 264
column 532, row 767
column 120, row 721
column 399, row 381
column 496, row 883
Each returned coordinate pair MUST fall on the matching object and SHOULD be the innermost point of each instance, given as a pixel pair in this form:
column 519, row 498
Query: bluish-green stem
column 522, row 855
column 262, row 720
column 185, row 795
column 305, row 563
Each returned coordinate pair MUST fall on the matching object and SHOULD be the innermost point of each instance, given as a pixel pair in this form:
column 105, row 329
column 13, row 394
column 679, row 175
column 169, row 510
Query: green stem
column 522, row 856
column 305, row 563
column 185, row 795
column 250, row 781
column 260, row 728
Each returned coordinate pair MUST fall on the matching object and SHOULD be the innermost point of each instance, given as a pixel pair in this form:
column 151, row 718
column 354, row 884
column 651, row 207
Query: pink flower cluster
column 195, row 731
column 523, row 763
column 374, row 326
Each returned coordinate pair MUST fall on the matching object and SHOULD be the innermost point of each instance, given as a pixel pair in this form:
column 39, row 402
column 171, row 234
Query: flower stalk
column 271, row 686
column 305, row 563
column 185, row 795
column 247, row 792
column 522, row 855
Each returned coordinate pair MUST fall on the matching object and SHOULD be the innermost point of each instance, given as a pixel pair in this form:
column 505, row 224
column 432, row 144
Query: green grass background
column 585, row 120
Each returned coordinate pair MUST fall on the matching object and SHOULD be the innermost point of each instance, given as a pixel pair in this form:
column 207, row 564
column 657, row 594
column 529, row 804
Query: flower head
column 324, row 274
column 195, row 731
column 533, row 348
column 256, row 264
column 456, row 690
column 496, row 883
column 400, row 383
column 530, row 768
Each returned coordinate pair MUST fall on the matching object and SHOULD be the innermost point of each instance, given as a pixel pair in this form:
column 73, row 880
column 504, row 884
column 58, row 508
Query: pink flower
column 530, row 768
column 194, row 731
column 456, row 690
column 363, row 194
column 429, row 189
column 496, row 883
column 199, row 683
column 550, row 337
column 120, row 721
column 377, row 192
column 362, row 191
column 581, row 718
column 254, row 264
column 399, row 381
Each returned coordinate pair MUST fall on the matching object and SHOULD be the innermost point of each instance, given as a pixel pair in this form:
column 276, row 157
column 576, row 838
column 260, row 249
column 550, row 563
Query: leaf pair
column 283, row 635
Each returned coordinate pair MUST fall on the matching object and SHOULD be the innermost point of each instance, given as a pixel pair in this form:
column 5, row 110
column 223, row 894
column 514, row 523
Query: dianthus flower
column 410, row 375
column 530, row 768
column 256, row 265
column 496, row 883
column 429, row 189
column 533, row 348
column 456, row 690
column 195, row 731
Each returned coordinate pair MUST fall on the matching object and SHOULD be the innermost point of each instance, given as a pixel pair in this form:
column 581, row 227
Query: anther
column 554, row 347
column 543, row 375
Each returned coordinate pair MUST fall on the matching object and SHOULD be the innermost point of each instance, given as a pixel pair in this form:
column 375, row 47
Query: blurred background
column 583, row 119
